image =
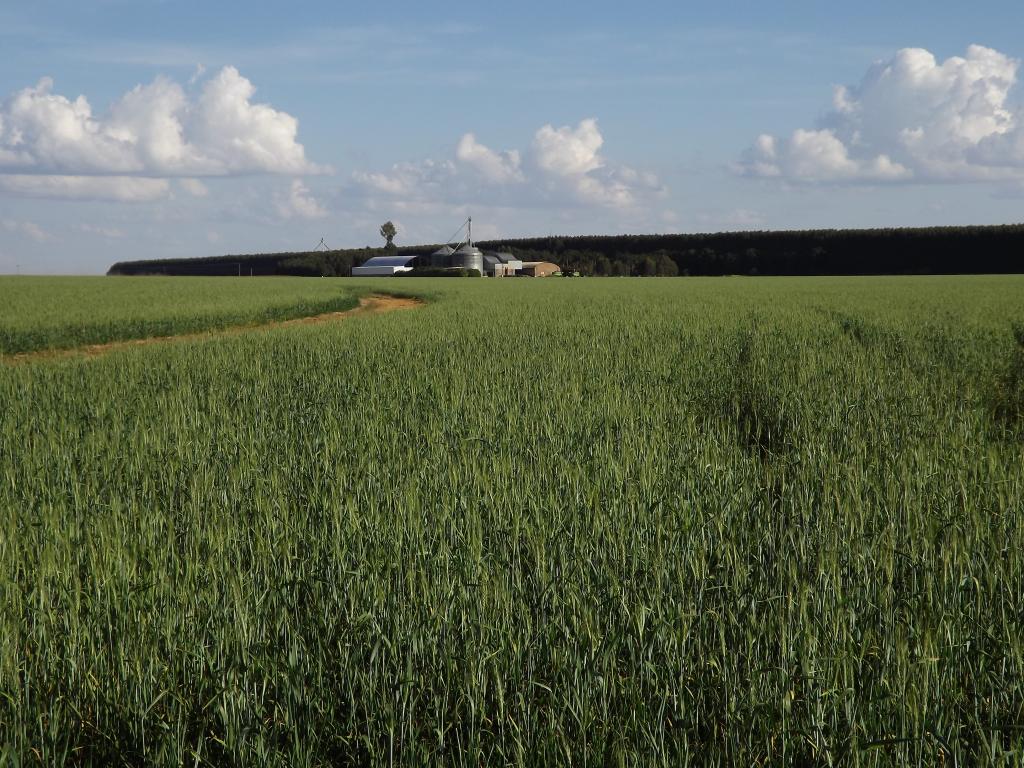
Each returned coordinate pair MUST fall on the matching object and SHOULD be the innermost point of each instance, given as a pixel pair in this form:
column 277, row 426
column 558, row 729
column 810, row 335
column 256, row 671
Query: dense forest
column 936, row 250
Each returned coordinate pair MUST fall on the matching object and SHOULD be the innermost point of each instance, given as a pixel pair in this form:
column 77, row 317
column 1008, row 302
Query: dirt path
column 368, row 305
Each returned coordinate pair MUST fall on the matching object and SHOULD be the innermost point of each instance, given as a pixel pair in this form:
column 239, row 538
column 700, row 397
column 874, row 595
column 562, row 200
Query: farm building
column 501, row 265
column 384, row 266
column 463, row 255
column 540, row 269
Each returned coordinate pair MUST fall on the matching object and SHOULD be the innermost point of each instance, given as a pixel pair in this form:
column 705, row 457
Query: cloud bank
column 54, row 146
column 910, row 118
column 120, row 189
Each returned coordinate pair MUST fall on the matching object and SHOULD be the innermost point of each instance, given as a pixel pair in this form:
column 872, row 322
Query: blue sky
column 154, row 129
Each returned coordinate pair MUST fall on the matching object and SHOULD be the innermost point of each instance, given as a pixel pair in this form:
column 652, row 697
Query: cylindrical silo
column 442, row 256
column 468, row 257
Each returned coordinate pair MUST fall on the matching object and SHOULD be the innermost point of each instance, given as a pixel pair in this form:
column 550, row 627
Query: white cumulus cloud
column 498, row 167
column 153, row 131
column 911, row 117
column 411, row 180
column 299, row 202
column 569, row 160
column 562, row 166
column 569, row 151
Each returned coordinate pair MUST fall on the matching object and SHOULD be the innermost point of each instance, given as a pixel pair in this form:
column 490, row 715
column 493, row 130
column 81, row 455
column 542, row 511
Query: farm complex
column 463, row 256
column 489, row 264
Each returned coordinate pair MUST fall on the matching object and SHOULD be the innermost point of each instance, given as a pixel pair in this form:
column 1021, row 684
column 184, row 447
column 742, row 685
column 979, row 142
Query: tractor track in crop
column 368, row 305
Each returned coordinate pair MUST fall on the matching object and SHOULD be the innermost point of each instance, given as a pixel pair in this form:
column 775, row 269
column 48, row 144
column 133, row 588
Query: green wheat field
column 722, row 521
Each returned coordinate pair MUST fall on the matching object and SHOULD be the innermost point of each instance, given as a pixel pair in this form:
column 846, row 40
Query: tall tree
column 388, row 232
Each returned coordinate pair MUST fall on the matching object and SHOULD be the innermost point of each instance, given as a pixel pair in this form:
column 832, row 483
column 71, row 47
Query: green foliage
column 621, row 522
column 752, row 401
column 58, row 313
column 388, row 232
column 302, row 264
column 1006, row 401
column 317, row 264
column 935, row 250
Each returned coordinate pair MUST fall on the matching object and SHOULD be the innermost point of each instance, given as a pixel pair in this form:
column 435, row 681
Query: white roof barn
column 383, row 266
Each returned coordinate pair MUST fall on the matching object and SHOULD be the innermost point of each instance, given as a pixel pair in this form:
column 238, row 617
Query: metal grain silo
column 468, row 257
column 442, row 256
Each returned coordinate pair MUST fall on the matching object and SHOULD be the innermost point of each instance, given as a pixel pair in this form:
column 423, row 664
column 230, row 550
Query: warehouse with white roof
column 384, row 266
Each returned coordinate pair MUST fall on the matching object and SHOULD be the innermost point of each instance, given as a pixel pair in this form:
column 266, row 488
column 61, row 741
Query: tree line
column 934, row 250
